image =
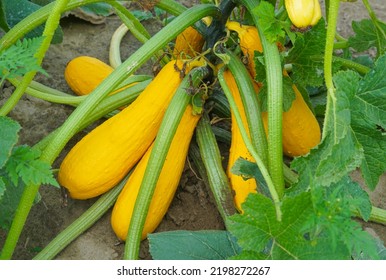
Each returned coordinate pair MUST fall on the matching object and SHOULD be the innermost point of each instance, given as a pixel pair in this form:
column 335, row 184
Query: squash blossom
column 303, row 13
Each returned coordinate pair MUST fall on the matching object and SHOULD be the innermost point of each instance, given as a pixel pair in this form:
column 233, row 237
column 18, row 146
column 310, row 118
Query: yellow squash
column 303, row 13
column 105, row 155
column 166, row 185
column 84, row 73
column 242, row 188
column 188, row 43
column 301, row 130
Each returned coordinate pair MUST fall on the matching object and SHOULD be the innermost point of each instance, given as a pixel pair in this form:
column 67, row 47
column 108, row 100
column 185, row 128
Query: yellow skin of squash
column 166, row 185
column 301, row 130
column 241, row 188
column 188, row 43
column 105, row 155
column 84, row 73
column 303, row 13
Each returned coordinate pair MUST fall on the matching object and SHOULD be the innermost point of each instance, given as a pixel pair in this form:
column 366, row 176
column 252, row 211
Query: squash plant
column 302, row 118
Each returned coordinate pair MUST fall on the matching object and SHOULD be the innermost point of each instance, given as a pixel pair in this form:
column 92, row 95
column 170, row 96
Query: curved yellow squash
column 105, row 155
column 301, row 130
column 242, row 188
column 84, row 73
column 303, row 13
column 166, row 185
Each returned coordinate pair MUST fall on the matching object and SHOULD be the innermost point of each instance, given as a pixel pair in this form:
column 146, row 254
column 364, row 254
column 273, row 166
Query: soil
column 193, row 207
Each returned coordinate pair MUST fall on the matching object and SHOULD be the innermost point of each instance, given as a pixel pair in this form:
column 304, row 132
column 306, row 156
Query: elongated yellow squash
column 166, row 185
column 242, row 188
column 105, row 155
column 301, row 130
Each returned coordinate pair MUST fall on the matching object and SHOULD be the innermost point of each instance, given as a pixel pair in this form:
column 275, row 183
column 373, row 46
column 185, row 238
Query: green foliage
column 306, row 54
column 19, row 59
column 20, row 166
column 189, row 245
column 15, row 11
column 367, row 35
column 3, row 22
column 273, row 28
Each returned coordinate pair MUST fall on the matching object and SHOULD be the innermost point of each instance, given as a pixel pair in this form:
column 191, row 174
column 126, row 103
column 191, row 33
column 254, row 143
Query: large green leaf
column 192, row 245
column 9, row 130
column 260, row 234
column 15, row 11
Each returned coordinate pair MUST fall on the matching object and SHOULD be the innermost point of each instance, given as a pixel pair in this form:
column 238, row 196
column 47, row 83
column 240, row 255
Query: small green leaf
column 142, row 15
column 367, row 36
column 272, row 27
column 9, row 130
column 192, row 245
column 19, row 59
column 24, row 163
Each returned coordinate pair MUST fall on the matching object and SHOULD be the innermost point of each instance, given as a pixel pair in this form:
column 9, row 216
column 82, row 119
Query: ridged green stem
column 217, row 178
column 165, row 135
column 328, row 58
column 251, row 148
column 274, row 101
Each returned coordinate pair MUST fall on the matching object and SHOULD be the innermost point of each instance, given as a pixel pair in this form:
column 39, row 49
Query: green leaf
column 367, row 98
column 9, row 130
column 142, row 15
column 250, row 171
column 307, row 67
column 19, row 58
column 192, row 245
column 272, row 27
column 102, row 9
column 2, row 187
column 24, row 163
column 258, row 231
column 367, row 36
column 15, row 11
column 9, row 201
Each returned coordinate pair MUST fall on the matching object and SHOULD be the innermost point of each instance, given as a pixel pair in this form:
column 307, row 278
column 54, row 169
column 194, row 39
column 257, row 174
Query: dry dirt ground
column 192, row 208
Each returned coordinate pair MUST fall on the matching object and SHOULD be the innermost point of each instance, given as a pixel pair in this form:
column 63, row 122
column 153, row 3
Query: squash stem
column 27, row 199
column 263, row 169
column 274, row 102
column 328, row 58
column 217, row 178
column 171, row 6
column 160, row 149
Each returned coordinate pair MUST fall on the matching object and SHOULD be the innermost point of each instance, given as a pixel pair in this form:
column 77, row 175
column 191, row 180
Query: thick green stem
column 251, row 105
column 157, row 157
column 217, row 178
column 377, row 215
column 274, row 102
column 263, row 169
column 48, row 33
column 328, row 58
